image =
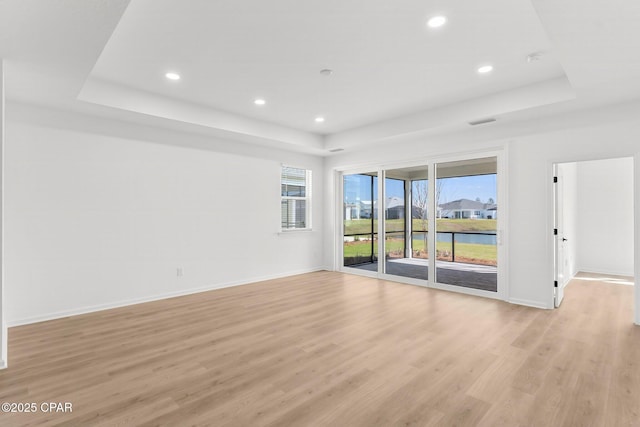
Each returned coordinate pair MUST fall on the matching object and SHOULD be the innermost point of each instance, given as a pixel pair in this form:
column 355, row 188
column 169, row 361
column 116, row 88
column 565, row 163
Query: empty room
column 319, row 213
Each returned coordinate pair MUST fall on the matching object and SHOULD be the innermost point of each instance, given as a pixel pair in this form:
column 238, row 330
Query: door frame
column 560, row 276
column 636, row 212
column 636, row 227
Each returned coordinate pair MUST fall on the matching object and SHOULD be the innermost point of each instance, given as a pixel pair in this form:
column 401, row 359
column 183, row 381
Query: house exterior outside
column 361, row 209
column 395, row 209
column 468, row 209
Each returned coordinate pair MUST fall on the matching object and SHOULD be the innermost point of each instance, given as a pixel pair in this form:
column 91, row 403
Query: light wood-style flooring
column 329, row 349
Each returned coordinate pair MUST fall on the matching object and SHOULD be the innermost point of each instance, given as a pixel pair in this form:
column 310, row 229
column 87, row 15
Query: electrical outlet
column 179, row 272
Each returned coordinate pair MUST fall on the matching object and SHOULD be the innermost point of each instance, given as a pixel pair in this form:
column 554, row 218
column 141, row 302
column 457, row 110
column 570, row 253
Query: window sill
column 295, row 230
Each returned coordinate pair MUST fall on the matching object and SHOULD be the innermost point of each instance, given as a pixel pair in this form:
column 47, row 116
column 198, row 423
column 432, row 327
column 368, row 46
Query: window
column 296, row 198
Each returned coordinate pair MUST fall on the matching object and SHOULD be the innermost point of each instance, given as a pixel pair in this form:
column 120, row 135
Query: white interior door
column 560, row 263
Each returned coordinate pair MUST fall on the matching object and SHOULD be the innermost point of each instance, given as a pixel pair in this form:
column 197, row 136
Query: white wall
column 605, row 222
column 529, row 169
column 531, row 158
column 3, row 323
column 636, row 223
column 570, row 212
column 102, row 213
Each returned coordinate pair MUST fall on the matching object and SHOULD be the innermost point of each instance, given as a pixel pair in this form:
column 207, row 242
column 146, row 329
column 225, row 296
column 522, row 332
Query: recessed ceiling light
column 485, row 69
column 259, row 101
column 172, row 76
column 319, row 119
column 483, row 121
column 437, row 21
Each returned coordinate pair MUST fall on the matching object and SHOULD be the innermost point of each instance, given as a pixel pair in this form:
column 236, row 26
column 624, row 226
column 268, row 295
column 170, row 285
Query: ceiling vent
column 482, row 121
column 335, row 150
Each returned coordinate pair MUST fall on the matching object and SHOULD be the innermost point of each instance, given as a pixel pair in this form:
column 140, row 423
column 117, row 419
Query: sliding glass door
column 394, row 223
column 360, row 221
column 466, row 223
column 456, row 200
column 420, row 219
column 406, row 222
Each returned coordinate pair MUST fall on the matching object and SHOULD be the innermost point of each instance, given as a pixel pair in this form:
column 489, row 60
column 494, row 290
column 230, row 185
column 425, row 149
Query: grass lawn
column 469, row 252
column 363, row 226
column 465, row 252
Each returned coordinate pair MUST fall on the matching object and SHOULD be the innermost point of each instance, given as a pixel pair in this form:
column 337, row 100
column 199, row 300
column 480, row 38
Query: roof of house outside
column 394, row 201
column 466, row 204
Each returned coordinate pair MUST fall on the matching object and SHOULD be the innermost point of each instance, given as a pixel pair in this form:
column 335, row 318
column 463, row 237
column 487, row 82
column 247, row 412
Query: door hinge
column 555, row 231
column 555, row 179
column 555, row 283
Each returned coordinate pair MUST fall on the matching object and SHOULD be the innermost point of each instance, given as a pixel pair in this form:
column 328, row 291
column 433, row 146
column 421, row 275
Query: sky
column 467, row 187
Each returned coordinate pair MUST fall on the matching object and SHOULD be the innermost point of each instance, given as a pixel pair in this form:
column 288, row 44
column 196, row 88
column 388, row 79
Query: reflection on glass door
column 466, row 223
column 360, row 217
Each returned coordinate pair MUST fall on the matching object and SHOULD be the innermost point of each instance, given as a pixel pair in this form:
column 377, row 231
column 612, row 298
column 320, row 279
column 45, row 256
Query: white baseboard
column 529, row 303
column 611, row 273
column 569, row 279
column 100, row 307
column 3, row 344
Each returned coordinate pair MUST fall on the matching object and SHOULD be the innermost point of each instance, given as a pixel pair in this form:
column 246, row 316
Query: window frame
column 307, row 199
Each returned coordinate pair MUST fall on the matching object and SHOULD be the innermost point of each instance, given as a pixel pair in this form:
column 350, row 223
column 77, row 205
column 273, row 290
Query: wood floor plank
column 509, row 408
column 331, row 349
